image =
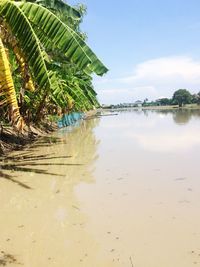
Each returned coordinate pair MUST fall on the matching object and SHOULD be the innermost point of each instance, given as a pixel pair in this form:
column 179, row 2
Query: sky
column 151, row 47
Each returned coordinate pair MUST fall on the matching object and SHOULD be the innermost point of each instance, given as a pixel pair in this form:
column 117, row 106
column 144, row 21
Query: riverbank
column 11, row 140
column 189, row 106
column 171, row 107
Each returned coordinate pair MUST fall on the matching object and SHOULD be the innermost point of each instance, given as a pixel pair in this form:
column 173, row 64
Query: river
column 114, row 191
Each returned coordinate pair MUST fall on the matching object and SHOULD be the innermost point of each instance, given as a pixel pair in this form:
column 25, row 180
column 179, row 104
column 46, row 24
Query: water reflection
column 30, row 162
column 181, row 116
column 147, row 189
column 109, row 203
column 157, row 130
column 56, row 227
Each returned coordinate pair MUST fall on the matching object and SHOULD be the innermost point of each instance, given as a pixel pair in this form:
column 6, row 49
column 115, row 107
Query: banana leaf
column 63, row 37
column 21, row 28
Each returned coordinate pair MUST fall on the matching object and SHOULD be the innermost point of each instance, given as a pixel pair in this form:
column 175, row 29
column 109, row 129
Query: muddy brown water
column 116, row 191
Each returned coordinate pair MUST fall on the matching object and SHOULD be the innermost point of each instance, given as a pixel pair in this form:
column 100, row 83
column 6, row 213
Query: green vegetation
column 180, row 98
column 45, row 63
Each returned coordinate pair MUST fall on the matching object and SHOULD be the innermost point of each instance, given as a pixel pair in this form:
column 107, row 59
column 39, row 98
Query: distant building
column 106, row 106
column 138, row 103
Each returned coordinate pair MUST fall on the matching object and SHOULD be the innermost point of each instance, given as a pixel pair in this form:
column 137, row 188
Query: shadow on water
column 30, row 162
column 24, row 162
column 9, row 177
column 48, row 140
column 56, row 198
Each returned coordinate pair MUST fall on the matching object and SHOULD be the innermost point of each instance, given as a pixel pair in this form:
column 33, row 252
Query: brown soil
column 12, row 140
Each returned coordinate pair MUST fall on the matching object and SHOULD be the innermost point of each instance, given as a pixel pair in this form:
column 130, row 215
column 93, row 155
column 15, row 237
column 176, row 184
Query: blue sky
column 151, row 47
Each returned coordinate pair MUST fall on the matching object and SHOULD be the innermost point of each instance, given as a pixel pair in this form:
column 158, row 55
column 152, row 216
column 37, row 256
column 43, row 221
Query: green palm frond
column 55, row 30
column 60, row 6
column 63, row 37
column 21, row 28
column 96, row 66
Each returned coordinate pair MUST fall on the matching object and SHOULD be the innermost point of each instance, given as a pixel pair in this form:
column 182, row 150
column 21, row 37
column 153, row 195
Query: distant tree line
column 180, row 97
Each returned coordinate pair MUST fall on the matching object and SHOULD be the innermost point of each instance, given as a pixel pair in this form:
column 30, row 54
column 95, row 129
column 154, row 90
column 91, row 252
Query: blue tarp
column 70, row 119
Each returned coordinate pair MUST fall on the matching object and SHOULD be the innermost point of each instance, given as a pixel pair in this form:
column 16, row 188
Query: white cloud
column 166, row 142
column 152, row 79
column 167, row 67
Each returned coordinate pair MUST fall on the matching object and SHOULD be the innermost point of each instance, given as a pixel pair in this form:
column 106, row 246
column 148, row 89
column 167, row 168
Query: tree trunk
column 38, row 115
column 8, row 89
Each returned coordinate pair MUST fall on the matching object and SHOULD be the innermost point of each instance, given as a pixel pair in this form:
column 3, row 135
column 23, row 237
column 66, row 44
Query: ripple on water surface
column 113, row 191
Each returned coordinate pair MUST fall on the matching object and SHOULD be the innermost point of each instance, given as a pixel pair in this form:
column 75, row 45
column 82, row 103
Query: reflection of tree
column 79, row 142
column 82, row 142
column 51, row 215
column 181, row 116
column 164, row 111
column 145, row 112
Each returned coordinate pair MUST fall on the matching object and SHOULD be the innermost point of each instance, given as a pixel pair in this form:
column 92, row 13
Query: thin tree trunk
column 41, row 106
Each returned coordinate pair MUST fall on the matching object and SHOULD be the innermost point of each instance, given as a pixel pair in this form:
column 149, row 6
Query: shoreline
column 10, row 140
column 174, row 107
